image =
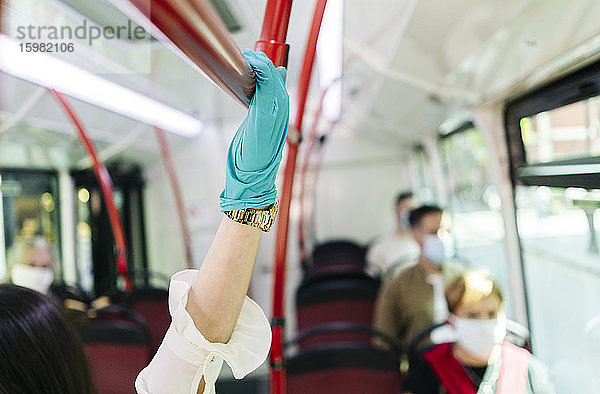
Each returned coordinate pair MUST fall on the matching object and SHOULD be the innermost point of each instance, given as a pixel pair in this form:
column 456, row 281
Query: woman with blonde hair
column 480, row 361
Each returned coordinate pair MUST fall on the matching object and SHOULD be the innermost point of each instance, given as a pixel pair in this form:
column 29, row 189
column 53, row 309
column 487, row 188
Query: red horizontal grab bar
column 105, row 185
column 198, row 31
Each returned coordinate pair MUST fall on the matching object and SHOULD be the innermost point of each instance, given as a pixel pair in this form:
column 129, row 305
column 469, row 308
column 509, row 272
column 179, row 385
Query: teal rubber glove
column 256, row 148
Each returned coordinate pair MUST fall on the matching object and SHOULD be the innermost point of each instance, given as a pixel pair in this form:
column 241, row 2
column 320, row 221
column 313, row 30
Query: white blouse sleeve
column 185, row 355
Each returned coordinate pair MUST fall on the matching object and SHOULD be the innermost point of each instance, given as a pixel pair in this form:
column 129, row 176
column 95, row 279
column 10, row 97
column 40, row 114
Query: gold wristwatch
column 262, row 218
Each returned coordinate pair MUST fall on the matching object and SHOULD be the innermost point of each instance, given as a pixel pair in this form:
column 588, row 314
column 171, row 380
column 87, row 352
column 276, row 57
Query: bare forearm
column 217, row 295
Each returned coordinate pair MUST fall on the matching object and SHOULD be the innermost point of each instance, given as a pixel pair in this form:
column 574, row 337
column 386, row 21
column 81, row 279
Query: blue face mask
column 404, row 222
column 433, row 249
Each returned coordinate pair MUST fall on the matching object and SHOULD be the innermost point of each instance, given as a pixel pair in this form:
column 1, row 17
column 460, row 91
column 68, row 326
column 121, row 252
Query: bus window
column 554, row 149
column 563, row 133
column 30, row 209
column 94, row 238
column 558, row 233
column 474, row 205
column 425, row 186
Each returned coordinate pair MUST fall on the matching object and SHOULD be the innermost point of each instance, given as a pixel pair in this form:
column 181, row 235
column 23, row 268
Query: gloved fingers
column 269, row 79
column 260, row 63
column 261, row 136
column 266, row 80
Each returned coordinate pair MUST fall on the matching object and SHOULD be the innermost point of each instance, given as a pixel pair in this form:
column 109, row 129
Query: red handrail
column 105, row 185
column 198, row 31
column 272, row 43
column 278, row 382
column 185, row 230
column 312, row 135
column 274, row 31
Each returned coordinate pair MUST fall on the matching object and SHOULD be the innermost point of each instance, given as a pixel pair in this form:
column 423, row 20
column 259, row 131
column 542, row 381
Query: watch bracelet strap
column 262, row 218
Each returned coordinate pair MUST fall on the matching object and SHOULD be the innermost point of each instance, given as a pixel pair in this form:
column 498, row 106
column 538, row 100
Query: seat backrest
column 116, row 351
column 341, row 332
column 153, row 304
column 324, row 278
column 518, row 334
column 337, row 251
column 118, row 312
column 342, row 369
column 349, row 298
column 335, row 267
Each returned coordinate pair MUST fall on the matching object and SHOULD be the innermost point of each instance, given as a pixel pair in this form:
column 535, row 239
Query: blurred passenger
column 414, row 298
column 28, row 229
column 32, row 265
column 479, row 361
column 39, row 350
column 392, row 252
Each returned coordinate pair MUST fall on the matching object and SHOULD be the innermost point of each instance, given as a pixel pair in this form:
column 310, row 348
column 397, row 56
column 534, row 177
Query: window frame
column 59, row 270
column 581, row 172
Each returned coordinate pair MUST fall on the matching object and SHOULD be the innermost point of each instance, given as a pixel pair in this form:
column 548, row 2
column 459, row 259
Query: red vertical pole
column 274, row 31
column 312, row 136
column 278, row 380
column 303, row 175
column 107, row 189
column 185, row 230
column 272, row 43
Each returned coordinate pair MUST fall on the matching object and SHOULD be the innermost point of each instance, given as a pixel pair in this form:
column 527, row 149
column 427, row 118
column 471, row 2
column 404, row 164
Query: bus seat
column 336, row 253
column 346, row 297
column 341, row 332
column 338, row 266
column 116, row 351
column 118, row 312
column 153, row 304
column 331, row 276
column 342, row 369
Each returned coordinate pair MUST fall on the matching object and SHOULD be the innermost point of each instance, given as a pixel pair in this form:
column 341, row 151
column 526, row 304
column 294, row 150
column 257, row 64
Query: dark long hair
column 39, row 351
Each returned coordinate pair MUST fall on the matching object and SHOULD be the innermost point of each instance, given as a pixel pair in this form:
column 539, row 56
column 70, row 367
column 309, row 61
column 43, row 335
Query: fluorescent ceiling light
column 53, row 73
column 329, row 58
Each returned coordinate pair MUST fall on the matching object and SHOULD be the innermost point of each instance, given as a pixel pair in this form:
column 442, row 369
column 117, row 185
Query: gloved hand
column 256, row 148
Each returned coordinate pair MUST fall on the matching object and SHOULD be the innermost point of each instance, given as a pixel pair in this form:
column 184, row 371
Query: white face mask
column 35, row 278
column 479, row 336
column 433, row 249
